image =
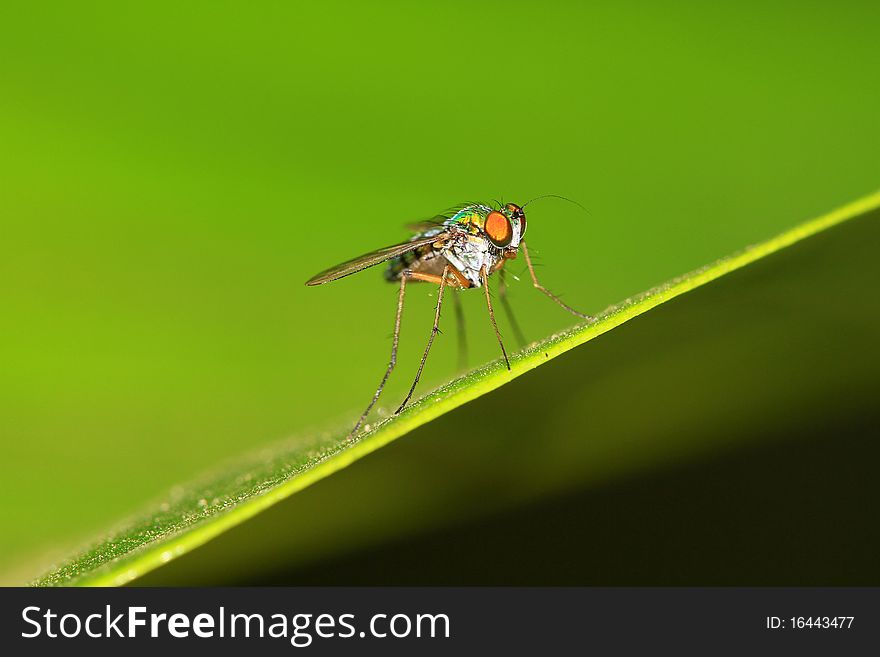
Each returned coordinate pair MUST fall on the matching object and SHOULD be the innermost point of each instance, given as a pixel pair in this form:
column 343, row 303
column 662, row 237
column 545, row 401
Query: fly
column 460, row 249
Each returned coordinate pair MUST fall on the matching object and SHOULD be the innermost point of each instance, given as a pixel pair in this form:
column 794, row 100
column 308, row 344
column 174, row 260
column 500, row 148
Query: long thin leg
column 434, row 331
column 508, row 310
column 545, row 290
column 462, row 333
column 485, row 280
column 391, row 363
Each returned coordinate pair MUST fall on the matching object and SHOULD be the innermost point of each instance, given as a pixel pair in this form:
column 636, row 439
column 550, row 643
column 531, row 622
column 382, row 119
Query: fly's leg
column 462, row 335
column 485, row 280
column 548, row 292
column 392, row 362
column 508, row 310
column 434, row 331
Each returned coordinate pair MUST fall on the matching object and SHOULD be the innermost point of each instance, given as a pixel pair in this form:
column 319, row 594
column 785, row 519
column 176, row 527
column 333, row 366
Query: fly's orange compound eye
column 498, row 229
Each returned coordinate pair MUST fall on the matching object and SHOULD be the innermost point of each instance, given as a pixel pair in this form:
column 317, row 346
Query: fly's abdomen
column 397, row 265
column 425, row 260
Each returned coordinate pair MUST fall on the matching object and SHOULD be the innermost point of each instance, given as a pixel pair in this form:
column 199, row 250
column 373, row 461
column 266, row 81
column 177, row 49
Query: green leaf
column 194, row 514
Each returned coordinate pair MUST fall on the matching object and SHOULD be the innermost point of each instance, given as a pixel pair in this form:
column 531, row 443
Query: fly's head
column 505, row 229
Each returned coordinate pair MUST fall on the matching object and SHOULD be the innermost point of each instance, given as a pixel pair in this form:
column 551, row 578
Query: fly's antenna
column 564, row 198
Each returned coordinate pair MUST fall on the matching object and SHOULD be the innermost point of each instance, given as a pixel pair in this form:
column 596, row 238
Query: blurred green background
column 171, row 175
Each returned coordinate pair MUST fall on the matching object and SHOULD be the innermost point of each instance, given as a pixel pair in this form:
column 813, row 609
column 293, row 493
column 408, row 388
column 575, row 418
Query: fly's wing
column 426, row 224
column 368, row 260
